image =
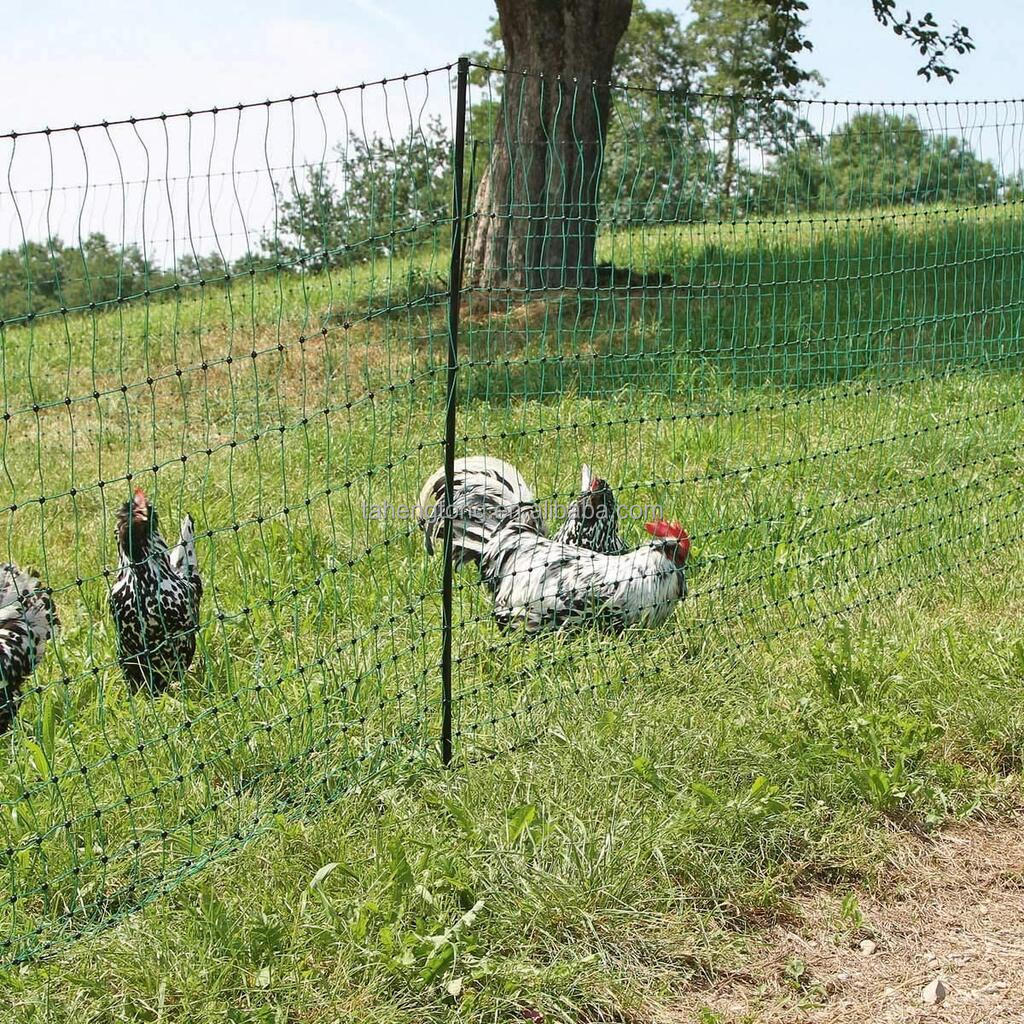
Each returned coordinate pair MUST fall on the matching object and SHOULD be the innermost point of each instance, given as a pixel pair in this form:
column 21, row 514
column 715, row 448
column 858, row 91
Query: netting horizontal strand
column 239, row 106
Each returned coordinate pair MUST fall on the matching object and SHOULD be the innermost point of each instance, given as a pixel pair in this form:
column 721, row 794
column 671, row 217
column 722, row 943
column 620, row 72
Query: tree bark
column 739, row 48
column 536, row 207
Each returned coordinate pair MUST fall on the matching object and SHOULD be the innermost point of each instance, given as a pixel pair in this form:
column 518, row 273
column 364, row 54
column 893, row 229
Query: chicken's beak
column 140, row 506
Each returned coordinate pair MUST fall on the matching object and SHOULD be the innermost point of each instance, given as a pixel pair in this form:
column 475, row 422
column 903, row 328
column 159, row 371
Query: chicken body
column 541, row 584
column 155, row 599
column 28, row 620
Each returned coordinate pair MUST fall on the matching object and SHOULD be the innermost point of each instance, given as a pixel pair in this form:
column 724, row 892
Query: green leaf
column 401, row 873
column 38, row 757
column 519, row 820
column 438, row 962
column 321, row 874
column 458, row 811
column 705, row 794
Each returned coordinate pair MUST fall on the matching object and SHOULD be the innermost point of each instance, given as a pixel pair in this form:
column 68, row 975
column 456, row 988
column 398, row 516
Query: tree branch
column 924, row 35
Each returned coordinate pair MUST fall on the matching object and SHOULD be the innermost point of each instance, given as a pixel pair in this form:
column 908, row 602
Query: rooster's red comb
column 661, row 528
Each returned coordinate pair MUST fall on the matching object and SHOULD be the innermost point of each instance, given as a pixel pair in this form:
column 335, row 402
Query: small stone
column 934, row 992
column 868, row 946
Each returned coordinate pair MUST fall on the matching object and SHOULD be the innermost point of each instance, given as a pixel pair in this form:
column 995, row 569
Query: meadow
column 832, row 409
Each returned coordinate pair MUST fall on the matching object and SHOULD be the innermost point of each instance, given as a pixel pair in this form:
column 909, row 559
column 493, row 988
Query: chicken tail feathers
column 487, row 493
column 183, row 554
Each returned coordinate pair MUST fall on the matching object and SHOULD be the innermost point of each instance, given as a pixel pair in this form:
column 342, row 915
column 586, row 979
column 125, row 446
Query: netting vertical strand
column 454, row 303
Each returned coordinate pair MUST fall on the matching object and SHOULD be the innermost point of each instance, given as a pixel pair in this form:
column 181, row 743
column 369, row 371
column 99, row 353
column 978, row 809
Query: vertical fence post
column 454, row 302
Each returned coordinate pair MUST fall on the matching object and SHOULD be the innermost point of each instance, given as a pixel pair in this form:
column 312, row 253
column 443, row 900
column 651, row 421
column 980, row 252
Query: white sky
column 67, row 63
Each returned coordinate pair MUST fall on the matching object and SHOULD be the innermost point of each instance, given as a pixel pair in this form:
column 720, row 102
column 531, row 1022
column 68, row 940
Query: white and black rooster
column 540, row 583
column 155, row 598
column 28, row 619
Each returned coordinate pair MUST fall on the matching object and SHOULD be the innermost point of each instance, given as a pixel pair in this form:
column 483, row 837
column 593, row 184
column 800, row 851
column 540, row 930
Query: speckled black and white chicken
column 28, row 620
column 155, row 598
column 592, row 521
column 539, row 584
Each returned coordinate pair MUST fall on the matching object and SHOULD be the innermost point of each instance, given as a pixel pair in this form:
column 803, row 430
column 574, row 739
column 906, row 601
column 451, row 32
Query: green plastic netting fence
column 808, row 352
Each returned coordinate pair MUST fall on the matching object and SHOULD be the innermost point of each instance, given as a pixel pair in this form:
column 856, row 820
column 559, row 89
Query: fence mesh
column 803, row 344
column 804, row 349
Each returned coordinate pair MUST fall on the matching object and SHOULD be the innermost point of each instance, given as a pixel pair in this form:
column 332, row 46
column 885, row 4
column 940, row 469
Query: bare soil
column 949, row 906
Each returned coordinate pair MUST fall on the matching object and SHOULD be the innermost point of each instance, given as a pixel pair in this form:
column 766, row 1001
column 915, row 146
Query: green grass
column 622, row 855
column 836, row 420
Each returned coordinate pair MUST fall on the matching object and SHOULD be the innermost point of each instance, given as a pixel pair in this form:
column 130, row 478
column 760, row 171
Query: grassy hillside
column 831, row 408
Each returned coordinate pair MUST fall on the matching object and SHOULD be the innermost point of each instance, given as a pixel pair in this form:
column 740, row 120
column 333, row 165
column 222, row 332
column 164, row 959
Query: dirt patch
column 950, row 907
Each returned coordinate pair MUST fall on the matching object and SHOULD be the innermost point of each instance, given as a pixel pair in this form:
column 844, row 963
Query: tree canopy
column 877, row 159
column 389, row 189
column 752, row 96
column 788, row 32
column 48, row 275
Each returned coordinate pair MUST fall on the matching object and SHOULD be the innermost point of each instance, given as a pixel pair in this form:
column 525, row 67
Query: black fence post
column 454, row 302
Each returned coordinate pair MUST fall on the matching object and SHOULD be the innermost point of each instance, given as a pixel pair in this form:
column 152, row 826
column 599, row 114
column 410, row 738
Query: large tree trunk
column 536, row 208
